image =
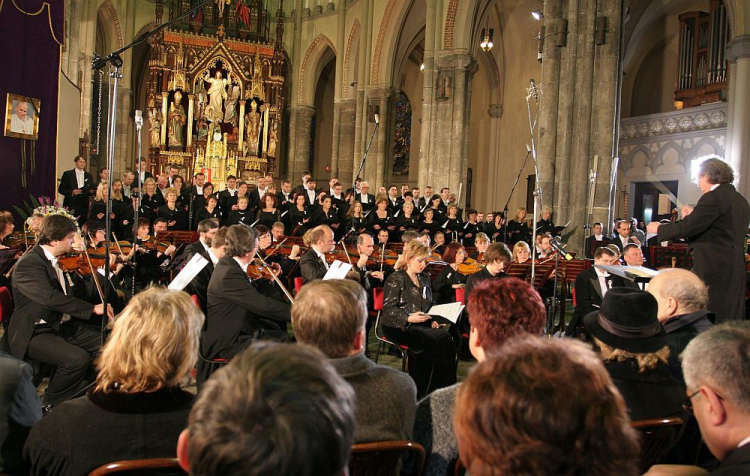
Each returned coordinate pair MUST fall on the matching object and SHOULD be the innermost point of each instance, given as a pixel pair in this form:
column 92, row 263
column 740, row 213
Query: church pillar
column 345, row 115
column 300, row 134
column 738, row 120
column 378, row 159
column 293, row 173
column 337, row 89
column 361, row 134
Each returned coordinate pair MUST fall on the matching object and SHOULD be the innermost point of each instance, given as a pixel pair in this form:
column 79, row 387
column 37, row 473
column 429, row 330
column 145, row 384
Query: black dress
column 268, row 218
column 430, row 228
column 240, row 216
column 204, row 214
column 151, row 203
column 452, row 226
column 432, row 353
column 176, row 214
column 467, row 234
column 296, row 217
column 518, row 232
column 374, row 220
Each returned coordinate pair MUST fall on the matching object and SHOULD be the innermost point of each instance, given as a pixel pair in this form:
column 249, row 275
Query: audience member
column 137, row 408
column 330, row 315
column 634, row 348
column 498, row 310
column 544, row 407
column 19, row 411
column 274, row 410
column 716, row 364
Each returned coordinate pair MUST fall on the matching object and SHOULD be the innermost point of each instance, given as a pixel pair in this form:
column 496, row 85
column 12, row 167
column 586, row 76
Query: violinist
column 439, row 242
column 209, row 210
column 94, row 234
column 407, row 299
column 481, row 242
column 268, row 212
column 172, row 211
column 238, row 313
column 469, row 229
column 383, row 238
column 313, row 264
column 380, row 218
column 365, row 249
column 428, row 224
column 50, row 321
column 206, row 231
column 199, row 284
column 446, row 282
column 151, row 257
column 6, row 227
column 264, row 249
column 277, row 232
column 299, row 215
column 518, row 228
column 241, row 214
column 521, row 253
column 496, row 259
column 545, row 249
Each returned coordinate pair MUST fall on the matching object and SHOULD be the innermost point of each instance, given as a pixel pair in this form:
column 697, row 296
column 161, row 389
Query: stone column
column 338, row 88
column 347, row 163
column 241, row 138
column 378, row 157
column 738, row 120
column 363, row 79
column 301, row 135
column 298, row 55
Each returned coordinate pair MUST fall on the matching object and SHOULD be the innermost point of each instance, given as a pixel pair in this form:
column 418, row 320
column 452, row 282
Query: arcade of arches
column 451, row 114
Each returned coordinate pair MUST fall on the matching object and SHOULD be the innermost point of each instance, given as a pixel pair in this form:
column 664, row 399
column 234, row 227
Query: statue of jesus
column 216, row 94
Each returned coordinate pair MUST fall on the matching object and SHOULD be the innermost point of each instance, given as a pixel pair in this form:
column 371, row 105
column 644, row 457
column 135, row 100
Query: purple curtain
column 30, row 48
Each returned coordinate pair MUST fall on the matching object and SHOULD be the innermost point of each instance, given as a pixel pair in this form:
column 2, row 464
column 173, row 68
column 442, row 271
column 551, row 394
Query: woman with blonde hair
column 521, row 252
column 137, row 408
column 518, row 227
column 408, row 298
column 172, row 212
column 98, row 209
column 151, row 198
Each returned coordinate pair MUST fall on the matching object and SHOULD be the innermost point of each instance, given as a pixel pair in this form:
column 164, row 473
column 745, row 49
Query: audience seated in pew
column 137, row 408
column 330, row 315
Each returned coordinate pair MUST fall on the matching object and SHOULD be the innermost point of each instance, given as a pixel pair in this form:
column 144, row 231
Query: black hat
column 627, row 321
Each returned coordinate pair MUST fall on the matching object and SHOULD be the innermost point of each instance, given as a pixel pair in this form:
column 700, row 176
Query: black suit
column 39, row 296
column 590, row 246
column 736, row 463
column 79, row 204
column 199, row 284
column 370, row 201
column 237, row 314
column 589, row 295
column 716, row 236
column 312, row 266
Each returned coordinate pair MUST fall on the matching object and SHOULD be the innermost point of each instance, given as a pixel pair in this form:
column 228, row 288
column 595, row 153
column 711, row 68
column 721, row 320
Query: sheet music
column 191, row 269
column 337, row 270
column 450, row 311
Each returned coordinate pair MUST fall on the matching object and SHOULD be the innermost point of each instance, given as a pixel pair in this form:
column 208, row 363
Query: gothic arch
column 658, row 160
column 627, row 164
column 318, row 55
column 693, row 151
column 494, row 77
column 112, row 28
column 350, row 67
column 389, row 33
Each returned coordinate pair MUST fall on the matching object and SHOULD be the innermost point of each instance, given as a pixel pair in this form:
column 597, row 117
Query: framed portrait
column 22, row 117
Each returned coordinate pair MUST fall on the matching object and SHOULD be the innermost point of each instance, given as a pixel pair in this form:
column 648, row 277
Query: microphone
column 528, row 148
column 138, row 119
column 377, row 118
column 555, row 243
column 533, row 89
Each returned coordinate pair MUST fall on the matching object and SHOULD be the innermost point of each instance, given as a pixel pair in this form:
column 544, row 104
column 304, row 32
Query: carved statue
column 272, row 138
column 230, row 113
column 252, row 124
column 177, row 119
column 217, row 93
column 154, row 129
column 200, row 100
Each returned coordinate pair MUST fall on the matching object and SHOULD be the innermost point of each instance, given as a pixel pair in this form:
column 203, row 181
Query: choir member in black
column 242, row 214
column 201, row 199
column 326, row 214
column 269, row 213
column 151, row 199
column 436, row 204
column 172, row 212
column 126, row 219
column 394, row 200
column 380, row 218
column 242, row 191
column 355, row 220
column 428, row 224
column 299, row 215
column 98, row 210
column 339, row 202
column 227, row 195
column 438, row 245
column 485, row 224
column 481, row 243
column 518, row 228
column 365, row 197
column 496, row 228
column 545, row 225
column 452, row 225
column 150, row 262
column 183, row 194
column 120, row 203
column 446, row 282
column 468, row 229
column 210, row 210
column 406, row 220
column 407, row 299
column 285, row 196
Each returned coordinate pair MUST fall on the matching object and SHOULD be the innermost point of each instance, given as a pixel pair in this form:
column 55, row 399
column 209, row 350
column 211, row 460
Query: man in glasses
column 716, row 364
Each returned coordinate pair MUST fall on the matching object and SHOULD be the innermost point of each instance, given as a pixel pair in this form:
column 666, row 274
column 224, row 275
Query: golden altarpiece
column 215, row 91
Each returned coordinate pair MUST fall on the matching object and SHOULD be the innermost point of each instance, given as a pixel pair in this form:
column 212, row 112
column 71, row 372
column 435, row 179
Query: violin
column 17, row 239
column 152, row 244
column 470, row 266
column 259, row 270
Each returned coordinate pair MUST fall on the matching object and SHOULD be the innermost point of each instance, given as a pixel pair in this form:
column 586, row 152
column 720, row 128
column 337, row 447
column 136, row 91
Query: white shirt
column 198, row 190
column 604, row 283
column 214, row 258
column 232, row 191
column 60, row 278
column 322, row 257
column 22, row 126
column 713, row 187
column 311, row 195
column 598, row 237
column 242, row 265
column 624, row 241
column 363, row 198
column 80, row 177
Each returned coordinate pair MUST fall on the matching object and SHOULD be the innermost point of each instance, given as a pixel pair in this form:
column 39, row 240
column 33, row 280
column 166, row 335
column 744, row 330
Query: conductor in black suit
column 313, row 264
column 77, row 186
column 715, row 231
column 591, row 286
column 238, row 313
column 49, row 321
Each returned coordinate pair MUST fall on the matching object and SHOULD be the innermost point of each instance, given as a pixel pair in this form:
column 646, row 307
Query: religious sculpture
column 252, row 125
column 177, row 119
column 154, row 122
column 230, row 113
column 272, row 138
column 200, row 100
column 217, row 93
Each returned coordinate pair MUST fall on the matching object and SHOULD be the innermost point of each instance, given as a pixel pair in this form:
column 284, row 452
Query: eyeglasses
column 687, row 405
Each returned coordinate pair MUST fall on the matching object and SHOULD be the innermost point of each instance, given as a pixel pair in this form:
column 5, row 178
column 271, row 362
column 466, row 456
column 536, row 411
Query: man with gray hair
column 717, row 375
column 682, row 297
column 330, row 315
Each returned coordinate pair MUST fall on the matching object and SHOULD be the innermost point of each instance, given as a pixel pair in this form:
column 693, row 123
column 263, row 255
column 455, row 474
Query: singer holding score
column 408, row 298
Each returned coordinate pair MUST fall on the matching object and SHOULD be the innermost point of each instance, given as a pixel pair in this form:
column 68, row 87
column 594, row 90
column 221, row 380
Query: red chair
column 464, row 336
column 196, row 300
column 377, row 299
column 573, row 295
column 461, row 296
column 6, row 304
column 298, row 282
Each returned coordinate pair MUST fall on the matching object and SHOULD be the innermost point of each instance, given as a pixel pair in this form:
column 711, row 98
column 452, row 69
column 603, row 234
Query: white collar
column 205, row 246
column 49, row 254
column 744, row 442
column 599, row 237
column 214, row 258
column 81, row 172
column 320, row 255
column 242, row 265
column 600, row 273
column 713, row 187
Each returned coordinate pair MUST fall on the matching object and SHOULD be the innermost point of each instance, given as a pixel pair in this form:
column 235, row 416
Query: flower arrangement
column 46, row 206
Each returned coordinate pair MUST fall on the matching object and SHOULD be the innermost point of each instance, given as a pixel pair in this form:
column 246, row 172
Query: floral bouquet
column 46, row 206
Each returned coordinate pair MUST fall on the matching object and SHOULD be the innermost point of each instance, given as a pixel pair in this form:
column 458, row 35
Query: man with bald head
column 682, row 297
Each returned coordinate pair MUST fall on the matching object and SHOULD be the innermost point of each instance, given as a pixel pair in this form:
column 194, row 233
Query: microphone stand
column 364, row 157
column 136, row 209
column 505, row 208
column 533, row 91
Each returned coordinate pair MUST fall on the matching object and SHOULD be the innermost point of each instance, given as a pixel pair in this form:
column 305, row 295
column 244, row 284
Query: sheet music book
column 194, row 266
column 337, row 270
column 631, row 273
column 446, row 313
